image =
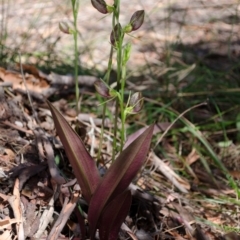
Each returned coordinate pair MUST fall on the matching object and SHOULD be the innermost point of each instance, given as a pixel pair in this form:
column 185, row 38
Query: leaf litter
column 35, row 186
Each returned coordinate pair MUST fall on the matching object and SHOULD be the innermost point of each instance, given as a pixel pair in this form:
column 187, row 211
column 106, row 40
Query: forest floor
column 185, row 61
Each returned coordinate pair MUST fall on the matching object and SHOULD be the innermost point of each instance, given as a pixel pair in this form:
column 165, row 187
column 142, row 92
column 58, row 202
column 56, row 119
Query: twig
column 67, row 209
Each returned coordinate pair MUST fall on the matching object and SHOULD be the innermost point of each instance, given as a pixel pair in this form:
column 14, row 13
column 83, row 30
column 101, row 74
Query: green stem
column 107, row 81
column 119, row 101
column 123, row 115
column 117, row 10
column 115, row 130
column 75, row 7
column 119, row 63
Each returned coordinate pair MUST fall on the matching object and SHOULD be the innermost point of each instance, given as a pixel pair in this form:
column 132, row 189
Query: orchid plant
column 108, row 197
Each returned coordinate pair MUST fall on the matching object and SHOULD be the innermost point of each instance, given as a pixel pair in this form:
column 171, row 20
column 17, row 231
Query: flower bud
column 116, row 34
column 63, row 26
column 101, row 6
column 102, row 89
column 137, row 19
column 136, row 102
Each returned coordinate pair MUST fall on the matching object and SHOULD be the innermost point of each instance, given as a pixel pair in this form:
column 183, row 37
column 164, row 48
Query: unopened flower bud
column 116, row 34
column 63, row 26
column 101, row 6
column 136, row 102
column 102, row 89
column 136, row 20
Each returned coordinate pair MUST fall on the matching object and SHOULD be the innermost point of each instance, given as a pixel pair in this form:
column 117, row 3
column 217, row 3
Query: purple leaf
column 134, row 136
column 113, row 216
column 158, row 127
column 119, row 176
column 82, row 163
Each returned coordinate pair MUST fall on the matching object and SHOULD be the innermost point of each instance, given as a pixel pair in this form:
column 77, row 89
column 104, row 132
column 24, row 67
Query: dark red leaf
column 82, row 163
column 119, row 176
column 113, row 216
